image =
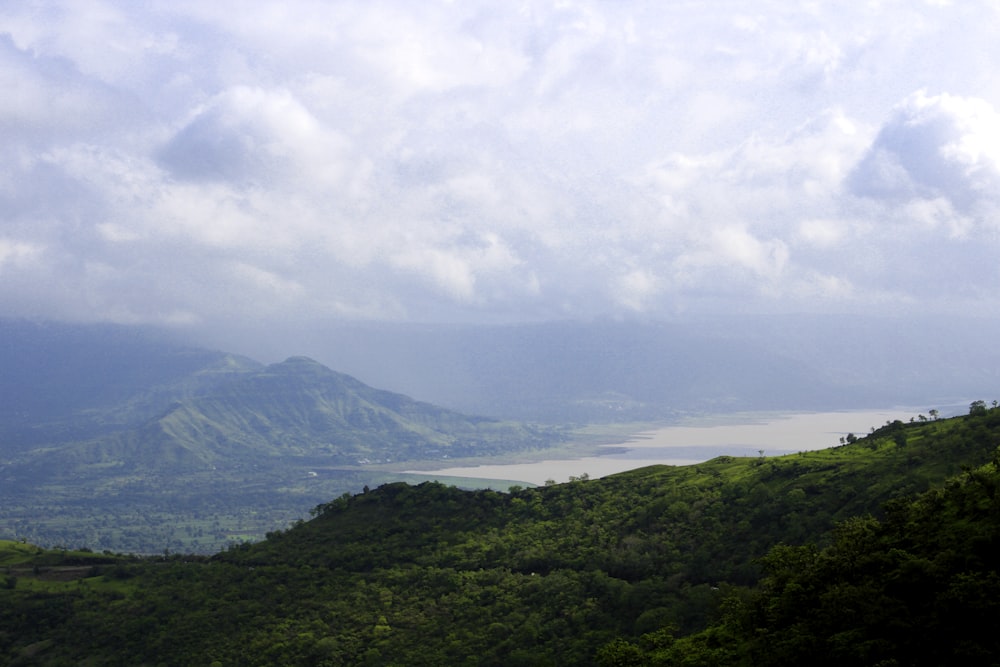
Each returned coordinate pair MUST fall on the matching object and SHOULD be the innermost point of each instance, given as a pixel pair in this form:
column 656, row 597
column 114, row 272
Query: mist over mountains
column 124, row 437
column 552, row 372
column 120, row 438
column 129, row 399
column 629, row 370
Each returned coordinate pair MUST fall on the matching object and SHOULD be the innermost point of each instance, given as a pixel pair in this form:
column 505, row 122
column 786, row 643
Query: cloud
column 16, row 253
column 47, row 99
column 208, row 164
column 249, row 134
column 636, row 288
column 821, row 233
column 941, row 147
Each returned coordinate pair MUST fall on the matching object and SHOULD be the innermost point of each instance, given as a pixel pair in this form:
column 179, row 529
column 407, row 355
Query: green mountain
column 233, row 451
column 297, row 411
column 882, row 551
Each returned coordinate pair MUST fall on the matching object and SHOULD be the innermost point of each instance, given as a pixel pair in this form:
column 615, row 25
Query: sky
column 225, row 165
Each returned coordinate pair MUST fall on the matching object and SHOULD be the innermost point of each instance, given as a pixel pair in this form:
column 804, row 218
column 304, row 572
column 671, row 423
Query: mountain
column 118, row 438
column 62, row 382
column 553, row 372
column 297, row 410
column 96, row 392
column 882, row 551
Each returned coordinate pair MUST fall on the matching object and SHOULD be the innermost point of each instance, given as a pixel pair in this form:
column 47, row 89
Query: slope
column 432, row 575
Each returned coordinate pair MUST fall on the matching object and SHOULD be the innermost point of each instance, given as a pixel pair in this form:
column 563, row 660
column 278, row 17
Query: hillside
column 655, row 566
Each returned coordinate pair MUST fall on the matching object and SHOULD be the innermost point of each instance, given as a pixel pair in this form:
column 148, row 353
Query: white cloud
column 15, row 253
column 189, row 161
column 735, row 247
column 249, row 134
column 939, row 212
column 635, row 288
column 821, row 233
column 46, row 99
column 940, row 146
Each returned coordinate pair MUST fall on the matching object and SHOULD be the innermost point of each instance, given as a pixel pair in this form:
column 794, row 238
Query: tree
column 620, row 653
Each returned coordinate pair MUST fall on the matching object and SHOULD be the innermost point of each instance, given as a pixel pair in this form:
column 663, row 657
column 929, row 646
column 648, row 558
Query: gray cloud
column 224, row 165
column 935, row 147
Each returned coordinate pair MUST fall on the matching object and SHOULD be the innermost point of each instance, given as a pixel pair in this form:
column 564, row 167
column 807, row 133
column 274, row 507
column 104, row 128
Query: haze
column 246, row 172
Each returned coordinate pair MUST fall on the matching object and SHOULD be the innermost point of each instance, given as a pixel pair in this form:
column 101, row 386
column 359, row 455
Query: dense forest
column 882, row 551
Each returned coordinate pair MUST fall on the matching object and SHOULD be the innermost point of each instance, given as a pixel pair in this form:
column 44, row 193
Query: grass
column 17, row 553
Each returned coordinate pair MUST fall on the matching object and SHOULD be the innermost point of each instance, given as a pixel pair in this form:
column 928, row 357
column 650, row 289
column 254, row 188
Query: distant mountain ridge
column 61, row 382
column 202, row 446
column 553, row 372
column 294, row 410
column 300, row 408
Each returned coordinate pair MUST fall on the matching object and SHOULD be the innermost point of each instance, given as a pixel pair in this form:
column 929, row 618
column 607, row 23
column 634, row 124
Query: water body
column 698, row 440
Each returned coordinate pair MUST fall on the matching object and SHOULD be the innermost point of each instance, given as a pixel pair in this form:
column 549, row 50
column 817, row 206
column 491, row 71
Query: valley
column 499, row 334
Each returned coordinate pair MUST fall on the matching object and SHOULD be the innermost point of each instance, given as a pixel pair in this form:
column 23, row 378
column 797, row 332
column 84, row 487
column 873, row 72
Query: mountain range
column 296, row 409
column 102, row 417
column 173, row 443
column 105, row 395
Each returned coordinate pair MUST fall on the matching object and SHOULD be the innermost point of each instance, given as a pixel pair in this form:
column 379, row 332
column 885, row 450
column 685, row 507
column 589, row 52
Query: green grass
column 17, row 553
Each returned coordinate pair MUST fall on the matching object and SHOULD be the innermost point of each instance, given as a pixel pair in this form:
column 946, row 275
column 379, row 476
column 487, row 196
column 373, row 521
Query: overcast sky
column 233, row 164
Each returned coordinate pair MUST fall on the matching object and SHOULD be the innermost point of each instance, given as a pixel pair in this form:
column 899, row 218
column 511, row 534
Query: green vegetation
column 882, row 551
column 187, row 513
column 920, row 587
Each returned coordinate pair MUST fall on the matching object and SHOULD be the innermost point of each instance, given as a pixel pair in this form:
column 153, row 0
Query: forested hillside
column 734, row 561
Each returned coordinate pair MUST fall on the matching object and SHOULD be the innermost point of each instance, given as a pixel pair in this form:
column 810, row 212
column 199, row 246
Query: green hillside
column 661, row 566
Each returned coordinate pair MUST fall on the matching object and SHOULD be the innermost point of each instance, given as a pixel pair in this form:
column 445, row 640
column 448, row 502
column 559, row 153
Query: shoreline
column 608, row 449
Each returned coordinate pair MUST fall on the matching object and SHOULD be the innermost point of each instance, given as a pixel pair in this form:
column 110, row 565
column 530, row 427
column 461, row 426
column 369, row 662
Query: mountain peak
column 299, row 359
column 299, row 365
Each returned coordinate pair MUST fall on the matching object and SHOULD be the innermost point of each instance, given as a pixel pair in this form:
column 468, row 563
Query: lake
column 698, row 440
